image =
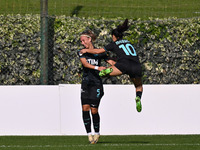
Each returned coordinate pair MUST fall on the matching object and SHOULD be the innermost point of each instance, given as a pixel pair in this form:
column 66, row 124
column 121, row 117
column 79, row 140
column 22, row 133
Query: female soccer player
column 92, row 86
column 127, row 63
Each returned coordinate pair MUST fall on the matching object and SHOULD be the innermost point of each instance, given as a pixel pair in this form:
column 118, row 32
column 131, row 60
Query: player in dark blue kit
column 92, row 86
column 127, row 63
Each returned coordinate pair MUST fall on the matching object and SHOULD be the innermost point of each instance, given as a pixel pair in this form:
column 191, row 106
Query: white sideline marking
column 82, row 145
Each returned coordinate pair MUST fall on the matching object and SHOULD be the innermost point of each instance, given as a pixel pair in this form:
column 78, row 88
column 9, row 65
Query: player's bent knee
column 86, row 107
column 94, row 110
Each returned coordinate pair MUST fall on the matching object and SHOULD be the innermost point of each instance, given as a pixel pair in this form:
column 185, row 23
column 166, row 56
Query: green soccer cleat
column 105, row 72
column 138, row 104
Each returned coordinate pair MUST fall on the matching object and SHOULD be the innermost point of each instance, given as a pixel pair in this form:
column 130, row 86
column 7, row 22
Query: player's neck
column 91, row 46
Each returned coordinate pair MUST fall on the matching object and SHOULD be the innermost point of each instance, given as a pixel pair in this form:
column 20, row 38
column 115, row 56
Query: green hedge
column 169, row 49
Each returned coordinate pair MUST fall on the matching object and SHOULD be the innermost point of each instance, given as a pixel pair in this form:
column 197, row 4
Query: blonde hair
column 89, row 34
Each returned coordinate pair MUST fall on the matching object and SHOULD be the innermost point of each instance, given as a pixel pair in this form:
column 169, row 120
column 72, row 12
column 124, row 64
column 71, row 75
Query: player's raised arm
column 93, row 51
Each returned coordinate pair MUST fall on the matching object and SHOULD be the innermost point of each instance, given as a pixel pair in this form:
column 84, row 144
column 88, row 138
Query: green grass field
column 107, row 8
column 136, row 142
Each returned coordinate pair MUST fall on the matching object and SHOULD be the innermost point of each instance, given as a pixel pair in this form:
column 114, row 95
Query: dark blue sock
column 87, row 121
column 138, row 93
column 96, row 122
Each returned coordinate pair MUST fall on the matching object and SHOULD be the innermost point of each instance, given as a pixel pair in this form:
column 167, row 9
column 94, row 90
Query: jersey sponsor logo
column 93, row 61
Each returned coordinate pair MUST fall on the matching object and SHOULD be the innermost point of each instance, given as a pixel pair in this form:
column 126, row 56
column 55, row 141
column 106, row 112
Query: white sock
column 90, row 133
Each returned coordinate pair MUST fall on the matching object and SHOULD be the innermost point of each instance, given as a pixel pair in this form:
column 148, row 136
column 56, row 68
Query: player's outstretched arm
column 93, row 51
column 88, row 65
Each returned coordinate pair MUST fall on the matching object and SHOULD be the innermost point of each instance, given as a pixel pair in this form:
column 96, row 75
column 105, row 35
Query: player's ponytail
column 118, row 32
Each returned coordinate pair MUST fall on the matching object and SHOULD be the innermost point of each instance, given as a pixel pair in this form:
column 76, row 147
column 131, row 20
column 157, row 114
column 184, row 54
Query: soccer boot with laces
column 91, row 139
column 105, row 72
column 138, row 104
column 96, row 138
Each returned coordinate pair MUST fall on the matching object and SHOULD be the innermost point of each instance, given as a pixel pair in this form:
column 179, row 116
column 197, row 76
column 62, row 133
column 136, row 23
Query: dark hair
column 89, row 33
column 118, row 32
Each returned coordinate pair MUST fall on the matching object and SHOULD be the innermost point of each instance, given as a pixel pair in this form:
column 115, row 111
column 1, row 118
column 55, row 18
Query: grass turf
column 107, row 8
column 139, row 142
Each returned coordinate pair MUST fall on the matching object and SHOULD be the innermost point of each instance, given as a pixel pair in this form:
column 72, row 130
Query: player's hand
column 101, row 68
column 83, row 51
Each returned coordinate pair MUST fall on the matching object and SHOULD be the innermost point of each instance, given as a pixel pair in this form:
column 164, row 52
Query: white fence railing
column 56, row 110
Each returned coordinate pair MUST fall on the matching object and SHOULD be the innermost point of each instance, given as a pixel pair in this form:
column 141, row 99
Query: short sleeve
column 109, row 47
column 79, row 54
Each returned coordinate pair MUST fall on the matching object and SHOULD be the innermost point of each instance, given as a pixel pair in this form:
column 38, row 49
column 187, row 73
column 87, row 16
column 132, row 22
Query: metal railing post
column 44, row 42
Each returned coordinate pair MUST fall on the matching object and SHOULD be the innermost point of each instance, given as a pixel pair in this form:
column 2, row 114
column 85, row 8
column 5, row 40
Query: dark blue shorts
column 91, row 94
column 132, row 68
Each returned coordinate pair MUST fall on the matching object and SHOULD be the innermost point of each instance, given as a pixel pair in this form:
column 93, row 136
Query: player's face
column 114, row 38
column 85, row 41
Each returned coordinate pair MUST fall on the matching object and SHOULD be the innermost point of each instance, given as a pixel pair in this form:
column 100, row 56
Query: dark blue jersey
column 91, row 76
column 123, row 49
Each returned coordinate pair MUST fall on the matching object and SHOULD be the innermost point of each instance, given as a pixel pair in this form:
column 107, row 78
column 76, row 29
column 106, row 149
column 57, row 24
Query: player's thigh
column 96, row 94
column 115, row 72
column 94, row 110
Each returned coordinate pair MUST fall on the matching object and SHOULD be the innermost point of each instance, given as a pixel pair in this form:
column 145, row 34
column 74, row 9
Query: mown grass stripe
column 87, row 145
